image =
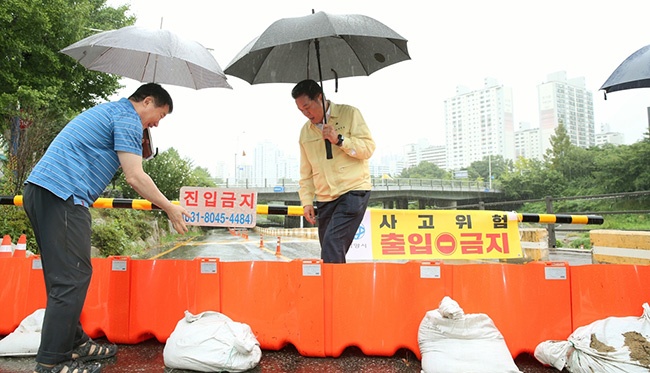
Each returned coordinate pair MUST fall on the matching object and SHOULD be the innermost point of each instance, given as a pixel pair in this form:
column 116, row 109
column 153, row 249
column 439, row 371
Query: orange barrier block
column 282, row 302
column 378, row 307
column 106, row 311
column 528, row 303
column 21, row 247
column 599, row 291
column 161, row 291
column 5, row 247
column 22, row 291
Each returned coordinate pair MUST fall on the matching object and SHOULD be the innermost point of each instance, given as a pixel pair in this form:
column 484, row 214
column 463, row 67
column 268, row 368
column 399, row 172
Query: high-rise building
column 271, row 166
column 606, row 136
column 528, row 143
column 423, row 151
column 479, row 123
column 386, row 164
column 566, row 101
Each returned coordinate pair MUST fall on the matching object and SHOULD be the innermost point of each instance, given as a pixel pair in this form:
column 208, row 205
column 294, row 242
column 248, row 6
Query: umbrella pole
column 328, row 144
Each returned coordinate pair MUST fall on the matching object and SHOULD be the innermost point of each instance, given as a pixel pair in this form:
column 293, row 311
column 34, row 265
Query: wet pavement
column 147, row 356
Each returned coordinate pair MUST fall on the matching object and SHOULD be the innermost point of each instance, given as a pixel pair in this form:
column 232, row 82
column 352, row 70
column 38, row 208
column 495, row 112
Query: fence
column 550, row 209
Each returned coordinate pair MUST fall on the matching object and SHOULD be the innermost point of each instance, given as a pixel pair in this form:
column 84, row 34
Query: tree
column 425, row 170
column 168, row 171
column 41, row 88
column 529, row 179
column 495, row 165
column 202, row 177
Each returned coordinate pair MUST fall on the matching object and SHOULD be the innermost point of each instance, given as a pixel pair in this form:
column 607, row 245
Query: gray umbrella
column 319, row 46
column 634, row 72
column 149, row 55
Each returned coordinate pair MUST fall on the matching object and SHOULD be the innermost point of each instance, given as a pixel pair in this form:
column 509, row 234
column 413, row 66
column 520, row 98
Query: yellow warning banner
column 439, row 234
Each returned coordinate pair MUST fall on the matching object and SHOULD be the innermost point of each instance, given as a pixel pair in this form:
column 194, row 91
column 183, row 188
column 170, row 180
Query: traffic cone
column 261, row 240
column 5, row 248
column 21, row 247
column 277, row 248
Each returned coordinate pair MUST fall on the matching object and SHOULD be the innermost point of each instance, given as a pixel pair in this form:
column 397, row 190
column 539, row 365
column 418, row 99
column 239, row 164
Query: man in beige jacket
column 341, row 185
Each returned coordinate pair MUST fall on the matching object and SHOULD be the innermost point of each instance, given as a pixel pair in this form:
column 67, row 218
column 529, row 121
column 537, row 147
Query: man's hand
column 175, row 214
column 329, row 133
column 309, row 213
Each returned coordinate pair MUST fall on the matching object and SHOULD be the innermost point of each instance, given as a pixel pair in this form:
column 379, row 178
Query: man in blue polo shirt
column 71, row 175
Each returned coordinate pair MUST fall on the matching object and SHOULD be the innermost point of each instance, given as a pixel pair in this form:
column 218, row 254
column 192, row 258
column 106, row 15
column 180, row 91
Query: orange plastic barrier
column 281, row 302
column 106, row 311
column 162, row 289
column 378, row 307
column 22, row 290
column 602, row 290
column 528, row 303
column 324, row 308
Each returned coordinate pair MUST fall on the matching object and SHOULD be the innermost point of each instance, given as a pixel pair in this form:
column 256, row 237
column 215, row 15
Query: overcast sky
column 451, row 43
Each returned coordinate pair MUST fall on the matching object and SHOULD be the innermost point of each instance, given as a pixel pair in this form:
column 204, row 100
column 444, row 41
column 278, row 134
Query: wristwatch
column 340, row 142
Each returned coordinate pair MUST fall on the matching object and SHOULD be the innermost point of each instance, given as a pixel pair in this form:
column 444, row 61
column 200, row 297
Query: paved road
column 148, row 357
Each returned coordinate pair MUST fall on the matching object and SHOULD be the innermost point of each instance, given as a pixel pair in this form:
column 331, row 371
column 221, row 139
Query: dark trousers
column 338, row 222
column 62, row 231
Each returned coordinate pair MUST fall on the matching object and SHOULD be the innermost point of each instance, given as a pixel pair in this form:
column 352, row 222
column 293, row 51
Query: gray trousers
column 62, row 231
column 338, row 222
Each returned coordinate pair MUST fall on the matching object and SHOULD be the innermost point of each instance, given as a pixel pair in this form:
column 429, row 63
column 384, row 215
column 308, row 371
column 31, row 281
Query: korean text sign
column 219, row 207
column 438, row 234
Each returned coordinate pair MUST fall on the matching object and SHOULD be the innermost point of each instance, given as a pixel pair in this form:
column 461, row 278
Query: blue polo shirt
column 82, row 159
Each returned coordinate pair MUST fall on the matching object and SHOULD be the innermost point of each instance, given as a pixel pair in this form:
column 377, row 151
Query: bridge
column 392, row 193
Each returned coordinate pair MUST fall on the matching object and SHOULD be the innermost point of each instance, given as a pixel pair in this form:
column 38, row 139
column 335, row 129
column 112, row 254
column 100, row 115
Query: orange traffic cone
column 21, row 247
column 5, row 248
column 261, row 240
column 277, row 248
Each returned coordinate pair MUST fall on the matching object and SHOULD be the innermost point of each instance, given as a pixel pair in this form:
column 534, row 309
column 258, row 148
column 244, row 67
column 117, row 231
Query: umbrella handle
column 328, row 149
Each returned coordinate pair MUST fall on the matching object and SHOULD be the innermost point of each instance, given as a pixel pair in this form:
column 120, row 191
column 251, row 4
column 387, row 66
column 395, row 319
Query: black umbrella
column 318, row 46
column 634, row 72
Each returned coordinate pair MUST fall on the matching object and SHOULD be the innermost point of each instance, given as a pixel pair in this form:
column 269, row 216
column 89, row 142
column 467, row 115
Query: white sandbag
column 211, row 342
column 25, row 340
column 610, row 345
column 451, row 341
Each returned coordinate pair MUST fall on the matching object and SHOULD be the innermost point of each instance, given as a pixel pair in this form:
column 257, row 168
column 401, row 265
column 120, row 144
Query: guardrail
column 267, row 186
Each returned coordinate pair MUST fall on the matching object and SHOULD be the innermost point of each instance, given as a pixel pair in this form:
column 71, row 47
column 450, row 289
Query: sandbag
column 610, row 345
column 25, row 340
column 211, row 342
column 451, row 341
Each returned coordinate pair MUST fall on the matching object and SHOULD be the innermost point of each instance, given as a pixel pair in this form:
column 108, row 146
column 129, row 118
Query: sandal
column 70, row 366
column 92, row 350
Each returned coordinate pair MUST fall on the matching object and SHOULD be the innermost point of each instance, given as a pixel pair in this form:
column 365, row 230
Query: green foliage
column 627, row 222
column 126, row 231
column 494, row 165
column 14, row 222
column 169, row 172
column 33, row 71
column 581, row 242
column 41, row 86
column 425, row 170
column 109, row 237
column 203, row 177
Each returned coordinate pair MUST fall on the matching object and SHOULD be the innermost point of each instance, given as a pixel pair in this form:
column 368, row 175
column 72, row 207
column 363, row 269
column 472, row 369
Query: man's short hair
column 307, row 87
column 160, row 96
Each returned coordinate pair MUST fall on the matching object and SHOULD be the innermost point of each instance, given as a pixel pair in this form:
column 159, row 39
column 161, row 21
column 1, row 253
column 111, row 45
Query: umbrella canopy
column 634, row 72
column 149, row 55
column 349, row 45
column 319, row 46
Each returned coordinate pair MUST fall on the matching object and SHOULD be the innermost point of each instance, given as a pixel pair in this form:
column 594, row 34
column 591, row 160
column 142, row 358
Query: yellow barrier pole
column 143, row 204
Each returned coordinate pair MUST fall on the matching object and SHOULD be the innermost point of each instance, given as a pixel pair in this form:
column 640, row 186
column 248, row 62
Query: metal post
column 550, row 227
column 490, row 169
